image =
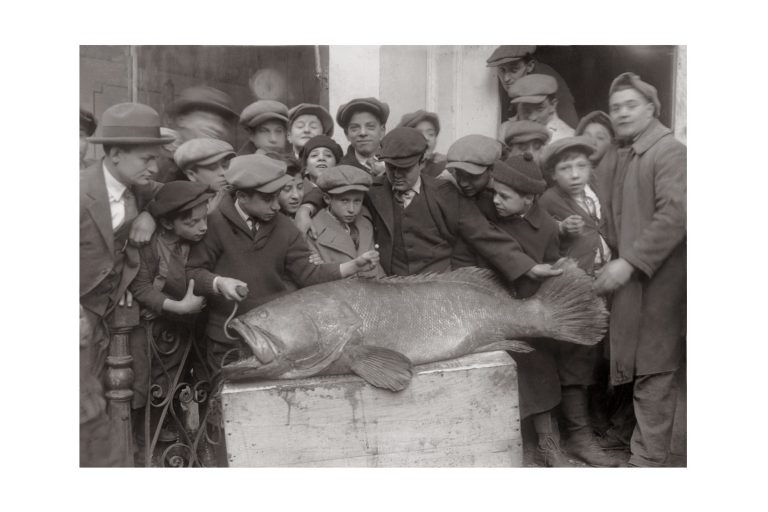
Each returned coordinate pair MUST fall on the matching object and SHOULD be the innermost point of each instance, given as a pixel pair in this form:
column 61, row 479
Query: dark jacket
column 158, row 281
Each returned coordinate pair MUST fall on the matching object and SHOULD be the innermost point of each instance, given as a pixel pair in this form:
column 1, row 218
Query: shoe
column 550, row 455
column 611, row 441
column 583, row 445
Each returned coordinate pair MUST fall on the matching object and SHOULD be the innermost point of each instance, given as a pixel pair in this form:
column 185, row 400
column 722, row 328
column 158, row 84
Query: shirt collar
column 247, row 218
column 115, row 189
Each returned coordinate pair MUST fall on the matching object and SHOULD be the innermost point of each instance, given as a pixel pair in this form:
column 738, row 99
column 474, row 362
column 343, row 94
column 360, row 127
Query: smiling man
column 364, row 122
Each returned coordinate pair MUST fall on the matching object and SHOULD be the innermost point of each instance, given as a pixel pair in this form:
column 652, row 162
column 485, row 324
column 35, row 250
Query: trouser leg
column 654, row 400
column 581, row 438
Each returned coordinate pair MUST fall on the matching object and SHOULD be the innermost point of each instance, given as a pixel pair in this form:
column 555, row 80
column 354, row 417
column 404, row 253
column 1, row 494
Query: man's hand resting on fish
column 366, row 261
column 142, row 229
column 613, row 276
column 543, row 271
column 228, row 287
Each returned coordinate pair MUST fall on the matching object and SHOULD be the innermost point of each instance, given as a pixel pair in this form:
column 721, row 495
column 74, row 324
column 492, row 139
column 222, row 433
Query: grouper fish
column 379, row 328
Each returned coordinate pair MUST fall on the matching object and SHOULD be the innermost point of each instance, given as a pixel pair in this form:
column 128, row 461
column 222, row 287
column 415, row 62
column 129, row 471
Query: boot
column 548, row 451
column 581, row 441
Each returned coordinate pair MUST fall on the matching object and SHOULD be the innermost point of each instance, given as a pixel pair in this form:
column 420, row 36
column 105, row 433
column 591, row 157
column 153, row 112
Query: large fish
column 378, row 328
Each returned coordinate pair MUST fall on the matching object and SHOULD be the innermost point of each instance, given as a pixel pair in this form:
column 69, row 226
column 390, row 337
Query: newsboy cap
column 403, row 147
column 87, row 122
column 632, row 80
column 596, row 116
column 128, row 124
column 340, row 179
column 263, row 110
column 177, row 196
column 532, row 88
column 519, row 173
column 202, row 151
column 473, row 154
column 315, row 110
column 372, row 105
column 524, row 131
column 508, row 53
column 412, row 119
column 321, row 141
column 553, row 151
column 260, row 172
column 203, row 97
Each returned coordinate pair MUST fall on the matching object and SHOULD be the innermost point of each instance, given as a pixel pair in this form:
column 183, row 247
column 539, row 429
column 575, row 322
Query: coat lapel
column 97, row 202
column 333, row 236
column 381, row 200
column 227, row 209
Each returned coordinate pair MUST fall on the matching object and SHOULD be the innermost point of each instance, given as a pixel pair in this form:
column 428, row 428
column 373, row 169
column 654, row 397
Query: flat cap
column 130, row 123
column 202, row 97
column 414, row 118
column 524, row 131
column 508, row 53
column 596, row 116
column 340, row 179
column 553, row 151
column 372, row 105
column 177, row 196
column 265, row 174
column 321, row 141
column 473, row 154
column 87, row 122
column 311, row 109
column 532, row 88
column 520, row 173
column 403, row 147
column 263, row 110
column 632, row 80
column 202, row 151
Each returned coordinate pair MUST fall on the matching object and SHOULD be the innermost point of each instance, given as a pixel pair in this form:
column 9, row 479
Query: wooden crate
column 457, row 413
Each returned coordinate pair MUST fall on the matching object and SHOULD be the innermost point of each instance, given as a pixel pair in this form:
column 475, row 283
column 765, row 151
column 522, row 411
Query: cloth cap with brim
column 524, row 131
column 508, row 53
column 87, row 122
column 473, row 154
column 177, row 196
column 203, row 98
column 129, row 124
column 403, row 147
column 599, row 117
column 321, row 141
column 414, row 118
column 343, row 178
column 202, row 151
column 632, row 80
column 311, row 109
column 532, row 88
column 519, row 173
column 556, row 149
column 258, row 172
column 263, row 110
column 372, row 105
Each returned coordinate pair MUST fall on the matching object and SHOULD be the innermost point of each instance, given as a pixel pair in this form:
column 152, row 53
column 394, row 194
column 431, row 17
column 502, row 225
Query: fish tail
column 572, row 310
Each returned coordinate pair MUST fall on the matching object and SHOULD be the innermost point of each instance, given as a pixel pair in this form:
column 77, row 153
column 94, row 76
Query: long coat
column 646, row 219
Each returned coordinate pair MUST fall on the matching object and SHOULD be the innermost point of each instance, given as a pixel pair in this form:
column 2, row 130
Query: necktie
column 129, row 203
column 254, row 226
column 354, row 233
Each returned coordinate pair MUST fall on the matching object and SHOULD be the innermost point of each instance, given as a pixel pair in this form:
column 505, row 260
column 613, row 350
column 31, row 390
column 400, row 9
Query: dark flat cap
column 473, row 153
column 596, row 116
column 524, row 131
column 509, row 53
column 372, row 105
column 533, row 88
column 321, row 141
column 632, row 80
column 257, row 171
column 340, row 179
column 206, row 98
column 403, row 147
column 520, row 173
column 128, row 124
column 311, row 109
column 87, row 122
column 553, row 151
column 414, row 118
column 177, row 196
column 263, row 110
column 202, row 151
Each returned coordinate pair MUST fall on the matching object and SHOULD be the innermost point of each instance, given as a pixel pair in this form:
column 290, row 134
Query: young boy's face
column 429, row 132
column 304, row 128
column 259, row 205
column 601, row 137
column 269, row 136
column 193, row 227
column 365, row 132
column 471, row 184
column 511, row 72
column 508, row 202
column 533, row 147
column 572, row 173
column 291, row 195
column 346, row 206
column 537, row 112
column 211, row 174
column 318, row 160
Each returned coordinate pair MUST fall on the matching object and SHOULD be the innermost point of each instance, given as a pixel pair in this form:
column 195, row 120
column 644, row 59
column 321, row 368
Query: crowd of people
column 184, row 225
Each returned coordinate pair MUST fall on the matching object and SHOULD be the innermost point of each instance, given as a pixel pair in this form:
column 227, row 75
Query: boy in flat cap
column 597, row 126
column 514, row 62
column 305, row 121
column 364, row 123
column 203, row 111
column 523, row 137
column 87, row 128
column 266, row 122
column 429, row 125
column 204, row 161
column 344, row 229
column 535, row 98
column 644, row 177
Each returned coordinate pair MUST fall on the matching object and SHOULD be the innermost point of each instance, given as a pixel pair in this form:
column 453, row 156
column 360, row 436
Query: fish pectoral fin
column 511, row 345
column 381, row 367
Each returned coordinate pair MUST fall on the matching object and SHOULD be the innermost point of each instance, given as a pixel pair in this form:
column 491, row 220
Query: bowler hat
column 519, row 173
column 524, row 131
column 403, row 147
column 87, row 122
column 311, row 109
column 203, row 97
column 596, row 116
column 321, row 141
column 130, row 123
column 342, row 178
column 263, row 110
column 632, row 80
column 508, row 53
column 473, row 154
column 178, row 196
column 552, row 152
column 372, row 105
column 202, row 151
column 257, row 171
column 414, row 118
column 532, row 88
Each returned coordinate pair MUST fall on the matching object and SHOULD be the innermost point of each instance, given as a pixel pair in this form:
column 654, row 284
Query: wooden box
column 457, row 413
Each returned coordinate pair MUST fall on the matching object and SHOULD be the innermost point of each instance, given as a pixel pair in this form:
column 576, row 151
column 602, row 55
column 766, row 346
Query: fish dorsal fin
column 471, row 276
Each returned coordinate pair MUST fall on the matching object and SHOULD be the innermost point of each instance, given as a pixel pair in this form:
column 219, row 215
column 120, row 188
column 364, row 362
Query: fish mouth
column 259, row 341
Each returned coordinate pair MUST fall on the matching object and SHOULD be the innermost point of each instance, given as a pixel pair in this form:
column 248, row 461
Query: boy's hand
column 126, row 300
column 613, row 276
column 367, row 261
column 142, row 229
column 572, row 225
column 303, row 221
column 191, row 303
column 315, row 258
column 542, row 271
column 228, row 287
